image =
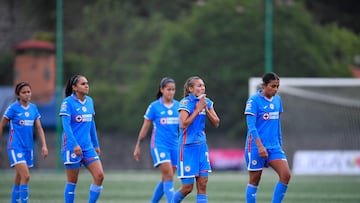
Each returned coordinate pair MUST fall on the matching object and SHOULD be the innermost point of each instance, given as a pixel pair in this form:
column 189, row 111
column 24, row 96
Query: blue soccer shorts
column 193, row 160
column 17, row 156
column 72, row 161
column 163, row 154
column 255, row 163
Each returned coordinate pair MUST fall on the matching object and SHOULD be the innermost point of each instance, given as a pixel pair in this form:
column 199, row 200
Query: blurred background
column 124, row 48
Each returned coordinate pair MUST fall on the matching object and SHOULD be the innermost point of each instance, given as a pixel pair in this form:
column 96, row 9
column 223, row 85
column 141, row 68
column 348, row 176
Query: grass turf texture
column 223, row 187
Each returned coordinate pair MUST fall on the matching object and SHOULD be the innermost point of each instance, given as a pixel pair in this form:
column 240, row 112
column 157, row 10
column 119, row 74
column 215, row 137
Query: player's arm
column 251, row 124
column 185, row 118
column 213, row 117
column 94, row 137
column 41, row 134
column 142, row 134
column 3, row 123
column 70, row 139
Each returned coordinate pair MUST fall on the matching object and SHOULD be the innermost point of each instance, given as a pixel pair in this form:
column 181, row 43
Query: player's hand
column 137, row 153
column 201, row 104
column 98, row 151
column 263, row 152
column 78, row 151
column 44, row 152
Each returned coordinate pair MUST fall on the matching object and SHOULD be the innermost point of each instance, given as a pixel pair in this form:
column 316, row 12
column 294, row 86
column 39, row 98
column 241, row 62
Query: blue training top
column 195, row 132
column 165, row 120
column 78, row 123
column 267, row 124
column 22, row 119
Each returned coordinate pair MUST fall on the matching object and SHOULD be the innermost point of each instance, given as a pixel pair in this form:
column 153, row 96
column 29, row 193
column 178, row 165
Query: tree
column 222, row 42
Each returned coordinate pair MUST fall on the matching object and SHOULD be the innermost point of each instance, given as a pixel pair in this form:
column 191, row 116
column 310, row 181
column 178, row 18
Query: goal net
column 319, row 113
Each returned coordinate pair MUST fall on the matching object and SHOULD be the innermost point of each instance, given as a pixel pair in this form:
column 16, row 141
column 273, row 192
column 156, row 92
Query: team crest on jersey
column 27, row 114
column 162, row 155
column 187, row 168
column 170, row 112
column 254, row 162
column 73, row 155
column 272, row 106
column 84, row 109
column 19, row 155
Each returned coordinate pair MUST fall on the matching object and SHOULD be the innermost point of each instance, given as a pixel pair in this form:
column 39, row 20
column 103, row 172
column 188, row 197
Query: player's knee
column 99, row 177
column 186, row 189
column 285, row 177
column 26, row 178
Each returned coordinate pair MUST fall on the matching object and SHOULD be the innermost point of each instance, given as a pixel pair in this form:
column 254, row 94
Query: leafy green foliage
column 125, row 47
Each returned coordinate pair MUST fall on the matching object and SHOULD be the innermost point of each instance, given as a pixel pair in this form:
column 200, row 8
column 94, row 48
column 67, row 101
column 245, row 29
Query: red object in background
column 227, row 159
column 35, row 63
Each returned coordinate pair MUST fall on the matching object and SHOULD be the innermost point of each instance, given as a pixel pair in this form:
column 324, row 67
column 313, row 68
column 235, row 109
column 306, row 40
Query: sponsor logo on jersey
column 270, row 115
column 26, row 122
column 202, row 112
column 169, row 120
column 83, row 118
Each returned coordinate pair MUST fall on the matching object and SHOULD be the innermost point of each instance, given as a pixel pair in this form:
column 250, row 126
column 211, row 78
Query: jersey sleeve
column 70, row 139
column 149, row 114
column 184, row 105
column 9, row 113
column 251, row 125
column 65, row 109
column 210, row 104
column 38, row 115
column 93, row 135
column 251, row 107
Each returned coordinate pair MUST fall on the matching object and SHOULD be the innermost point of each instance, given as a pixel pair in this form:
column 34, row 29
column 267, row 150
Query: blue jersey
column 81, row 127
column 267, row 113
column 195, row 132
column 165, row 120
column 22, row 119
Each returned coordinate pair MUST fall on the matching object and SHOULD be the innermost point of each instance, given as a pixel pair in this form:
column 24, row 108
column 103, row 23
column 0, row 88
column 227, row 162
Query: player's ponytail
column 72, row 81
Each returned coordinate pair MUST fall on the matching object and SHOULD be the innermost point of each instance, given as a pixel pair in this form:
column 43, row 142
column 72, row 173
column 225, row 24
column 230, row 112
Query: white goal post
column 289, row 85
column 254, row 82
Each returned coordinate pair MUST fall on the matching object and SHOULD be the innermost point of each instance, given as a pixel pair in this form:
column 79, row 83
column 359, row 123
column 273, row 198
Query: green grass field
column 223, row 187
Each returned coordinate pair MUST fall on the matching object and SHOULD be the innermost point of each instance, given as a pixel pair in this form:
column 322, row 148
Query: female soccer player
column 264, row 141
column 163, row 114
column 193, row 161
column 80, row 144
column 22, row 116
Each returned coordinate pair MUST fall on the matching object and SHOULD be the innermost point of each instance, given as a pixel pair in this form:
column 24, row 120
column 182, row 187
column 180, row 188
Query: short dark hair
column 268, row 77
